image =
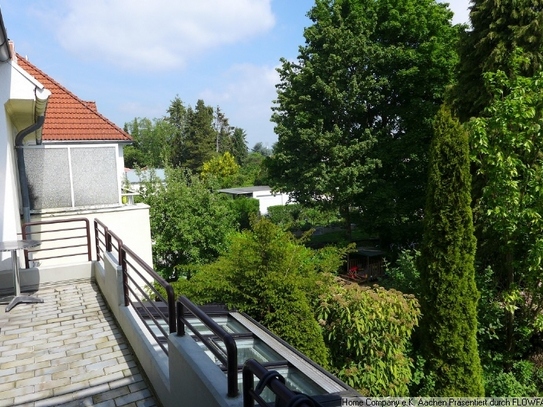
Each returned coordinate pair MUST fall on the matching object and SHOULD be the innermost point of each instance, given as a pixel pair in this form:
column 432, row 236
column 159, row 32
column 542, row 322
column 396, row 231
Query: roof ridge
column 82, row 103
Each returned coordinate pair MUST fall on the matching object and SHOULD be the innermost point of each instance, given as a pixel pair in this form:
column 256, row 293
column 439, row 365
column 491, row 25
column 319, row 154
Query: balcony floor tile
column 52, row 352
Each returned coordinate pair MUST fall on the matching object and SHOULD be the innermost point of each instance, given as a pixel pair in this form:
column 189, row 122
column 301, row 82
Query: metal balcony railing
column 275, row 382
column 143, row 288
column 153, row 299
column 228, row 359
column 106, row 241
column 58, row 239
column 148, row 298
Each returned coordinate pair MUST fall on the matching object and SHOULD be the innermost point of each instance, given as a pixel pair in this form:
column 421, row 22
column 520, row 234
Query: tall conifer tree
column 449, row 298
column 498, row 28
column 200, row 141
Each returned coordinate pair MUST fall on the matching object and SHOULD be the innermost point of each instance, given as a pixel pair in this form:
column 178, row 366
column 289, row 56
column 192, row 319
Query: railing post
column 231, row 360
column 172, row 319
column 180, row 323
column 275, row 382
column 96, row 239
column 108, row 239
column 27, row 261
column 232, row 365
column 248, row 383
column 122, row 262
column 89, row 248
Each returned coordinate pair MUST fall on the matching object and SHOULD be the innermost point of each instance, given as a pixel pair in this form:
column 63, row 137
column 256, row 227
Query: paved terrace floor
column 67, row 351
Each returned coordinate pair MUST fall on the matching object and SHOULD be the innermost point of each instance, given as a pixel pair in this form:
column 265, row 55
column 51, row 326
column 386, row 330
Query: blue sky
column 132, row 57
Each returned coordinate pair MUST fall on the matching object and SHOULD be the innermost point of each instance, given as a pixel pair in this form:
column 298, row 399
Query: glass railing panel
column 294, row 380
column 248, row 348
column 228, row 323
column 254, row 348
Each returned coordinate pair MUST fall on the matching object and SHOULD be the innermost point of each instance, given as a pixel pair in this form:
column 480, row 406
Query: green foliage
column 404, row 275
column 321, row 153
column 185, row 137
column 354, row 111
column 296, row 216
column 490, row 318
column 253, row 171
column 449, row 294
column 189, row 222
column 261, row 149
column 519, row 382
column 497, row 30
column 415, row 60
column 268, row 274
column 508, row 152
column 152, row 140
column 223, row 167
column 239, row 145
column 199, row 143
column 245, row 209
column 367, row 331
column 223, row 132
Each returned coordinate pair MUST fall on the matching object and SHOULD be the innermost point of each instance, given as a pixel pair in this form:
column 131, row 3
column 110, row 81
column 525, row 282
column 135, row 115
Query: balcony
column 68, row 351
column 110, row 332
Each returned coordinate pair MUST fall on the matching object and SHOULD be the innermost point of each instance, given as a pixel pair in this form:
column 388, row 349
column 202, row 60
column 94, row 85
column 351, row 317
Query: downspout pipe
column 25, row 194
column 40, row 107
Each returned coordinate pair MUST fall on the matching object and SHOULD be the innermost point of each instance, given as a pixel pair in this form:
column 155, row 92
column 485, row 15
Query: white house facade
column 59, row 158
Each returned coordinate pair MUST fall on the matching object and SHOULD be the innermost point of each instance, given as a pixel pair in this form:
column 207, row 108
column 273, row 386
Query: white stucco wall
column 17, row 96
column 267, row 199
column 130, row 222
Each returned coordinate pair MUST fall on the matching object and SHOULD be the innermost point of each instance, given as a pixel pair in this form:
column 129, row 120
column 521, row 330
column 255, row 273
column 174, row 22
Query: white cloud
column 158, row 34
column 136, row 109
column 246, row 98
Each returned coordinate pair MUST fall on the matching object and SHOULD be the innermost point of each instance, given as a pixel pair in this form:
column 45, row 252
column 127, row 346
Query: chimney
column 12, row 51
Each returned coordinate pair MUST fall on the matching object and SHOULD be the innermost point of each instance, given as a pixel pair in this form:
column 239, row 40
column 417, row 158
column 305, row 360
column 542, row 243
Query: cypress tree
column 449, row 294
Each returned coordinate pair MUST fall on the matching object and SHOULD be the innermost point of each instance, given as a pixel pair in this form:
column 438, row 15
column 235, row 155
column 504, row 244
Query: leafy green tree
column 152, row 139
column 415, row 60
column 223, row 168
column 354, row 111
column 253, row 171
column 271, row 276
column 497, row 29
column 245, row 209
column 508, row 151
column 261, row 149
column 449, row 294
column 324, row 106
column 367, row 331
column 189, row 223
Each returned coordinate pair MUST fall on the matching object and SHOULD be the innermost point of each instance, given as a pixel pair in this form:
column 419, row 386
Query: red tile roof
column 69, row 118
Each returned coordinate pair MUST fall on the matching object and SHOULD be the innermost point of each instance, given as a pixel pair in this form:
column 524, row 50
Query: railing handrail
column 97, row 234
column 161, row 281
column 26, row 234
column 125, row 253
column 109, row 235
column 274, row 381
column 231, row 360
